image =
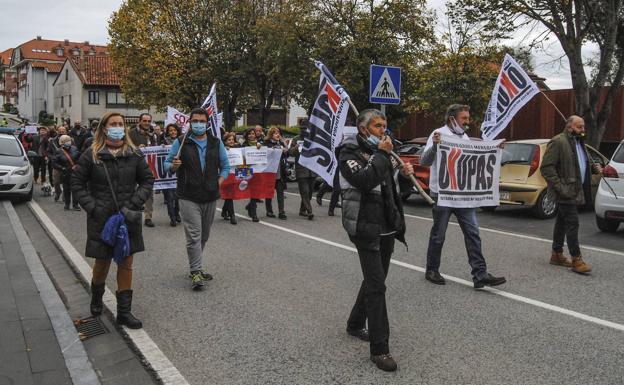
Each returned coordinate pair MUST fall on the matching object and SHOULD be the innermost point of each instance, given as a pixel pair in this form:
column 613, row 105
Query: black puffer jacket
column 132, row 181
column 61, row 162
column 371, row 205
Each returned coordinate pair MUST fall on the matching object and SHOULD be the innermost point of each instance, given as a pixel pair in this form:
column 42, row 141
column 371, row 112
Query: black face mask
column 579, row 136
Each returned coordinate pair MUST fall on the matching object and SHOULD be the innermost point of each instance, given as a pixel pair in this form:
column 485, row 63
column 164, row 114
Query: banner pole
column 553, row 104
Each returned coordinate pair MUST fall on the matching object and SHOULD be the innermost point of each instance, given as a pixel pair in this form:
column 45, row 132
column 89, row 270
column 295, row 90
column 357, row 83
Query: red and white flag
column 253, row 180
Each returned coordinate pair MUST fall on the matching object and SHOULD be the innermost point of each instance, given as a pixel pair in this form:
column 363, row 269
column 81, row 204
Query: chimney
column 38, row 37
column 66, row 41
column 86, row 42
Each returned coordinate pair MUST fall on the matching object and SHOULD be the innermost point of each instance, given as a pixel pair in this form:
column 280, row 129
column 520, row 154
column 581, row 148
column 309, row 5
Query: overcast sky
column 80, row 20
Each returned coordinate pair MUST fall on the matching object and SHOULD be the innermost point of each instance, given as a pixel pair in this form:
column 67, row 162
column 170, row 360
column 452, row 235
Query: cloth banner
column 325, row 124
column 176, row 117
column 155, row 157
column 468, row 172
column 513, row 89
column 214, row 120
column 253, row 180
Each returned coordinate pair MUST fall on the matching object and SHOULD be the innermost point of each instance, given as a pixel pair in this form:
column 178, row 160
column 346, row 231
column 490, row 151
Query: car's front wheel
column 607, row 225
column 546, row 206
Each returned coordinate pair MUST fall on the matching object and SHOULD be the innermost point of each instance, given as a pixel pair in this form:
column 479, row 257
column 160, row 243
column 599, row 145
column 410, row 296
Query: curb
column 154, row 358
column 76, row 359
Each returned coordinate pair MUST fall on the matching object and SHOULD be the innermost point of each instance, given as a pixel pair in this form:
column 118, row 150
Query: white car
column 16, row 173
column 609, row 202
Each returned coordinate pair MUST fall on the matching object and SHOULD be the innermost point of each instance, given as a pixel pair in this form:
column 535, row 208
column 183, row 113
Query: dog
column 46, row 189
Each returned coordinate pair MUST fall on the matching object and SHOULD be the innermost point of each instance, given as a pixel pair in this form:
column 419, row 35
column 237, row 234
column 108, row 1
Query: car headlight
column 21, row 171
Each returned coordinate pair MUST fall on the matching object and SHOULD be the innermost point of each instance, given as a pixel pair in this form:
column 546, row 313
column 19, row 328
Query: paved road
column 276, row 310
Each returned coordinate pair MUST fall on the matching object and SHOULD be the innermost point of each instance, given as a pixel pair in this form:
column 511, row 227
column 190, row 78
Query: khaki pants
column 56, row 176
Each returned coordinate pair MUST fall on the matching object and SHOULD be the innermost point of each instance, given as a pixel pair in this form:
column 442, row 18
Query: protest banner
column 513, row 89
column 30, row 129
column 176, row 117
column 235, row 156
column 155, row 157
column 325, row 126
column 468, row 172
column 253, row 180
column 255, row 155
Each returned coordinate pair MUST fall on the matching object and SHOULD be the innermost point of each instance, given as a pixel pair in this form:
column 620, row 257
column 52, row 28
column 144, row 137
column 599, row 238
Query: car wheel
column 606, row 225
column 546, row 206
column 489, row 209
column 28, row 197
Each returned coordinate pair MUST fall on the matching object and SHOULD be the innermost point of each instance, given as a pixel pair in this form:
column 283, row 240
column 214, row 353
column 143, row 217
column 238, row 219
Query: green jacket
column 561, row 170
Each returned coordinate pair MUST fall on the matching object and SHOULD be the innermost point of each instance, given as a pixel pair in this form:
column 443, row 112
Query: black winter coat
column 371, row 205
column 132, row 181
column 60, row 161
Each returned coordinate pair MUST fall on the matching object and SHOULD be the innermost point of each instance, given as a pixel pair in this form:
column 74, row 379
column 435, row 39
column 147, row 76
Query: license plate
column 504, row 196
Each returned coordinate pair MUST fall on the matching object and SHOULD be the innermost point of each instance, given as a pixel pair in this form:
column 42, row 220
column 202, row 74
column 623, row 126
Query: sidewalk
column 31, row 320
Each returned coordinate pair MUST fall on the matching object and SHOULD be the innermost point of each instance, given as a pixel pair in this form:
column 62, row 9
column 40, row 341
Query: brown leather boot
column 558, row 259
column 579, row 266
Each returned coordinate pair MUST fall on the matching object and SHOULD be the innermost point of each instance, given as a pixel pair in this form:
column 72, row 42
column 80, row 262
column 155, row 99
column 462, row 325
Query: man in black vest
column 201, row 167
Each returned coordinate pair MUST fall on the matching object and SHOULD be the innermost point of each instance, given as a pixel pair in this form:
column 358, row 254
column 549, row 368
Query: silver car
column 16, row 173
column 609, row 203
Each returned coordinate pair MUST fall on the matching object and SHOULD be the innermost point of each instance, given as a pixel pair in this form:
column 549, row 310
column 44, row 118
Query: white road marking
column 155, row 358
column 515, row 297
column 502, row 232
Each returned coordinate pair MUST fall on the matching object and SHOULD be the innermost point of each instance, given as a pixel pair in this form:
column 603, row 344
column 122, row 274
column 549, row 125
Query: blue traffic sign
column 385, row 84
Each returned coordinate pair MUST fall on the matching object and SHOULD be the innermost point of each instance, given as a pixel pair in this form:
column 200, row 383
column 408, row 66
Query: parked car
column 16, row 173
column 609, row 203
column 410, row 152
column 521, row 181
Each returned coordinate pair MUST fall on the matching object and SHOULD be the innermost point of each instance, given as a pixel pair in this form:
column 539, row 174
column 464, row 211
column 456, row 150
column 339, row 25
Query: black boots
column 97, row 292
column 124, row 306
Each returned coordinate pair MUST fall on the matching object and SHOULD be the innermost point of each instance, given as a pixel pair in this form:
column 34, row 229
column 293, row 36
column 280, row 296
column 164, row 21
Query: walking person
column 251, row 140
column 39, row 162
column 111, row 176
column 305, row 176
column 273, row 139
column 566, row 168
column 53, row 147
column 200, row 168
column 227, row 211
column 372, row 215
column 142, row 136
column 65, row 161
column 457, row 117
column 171, row 200
column 79, row 134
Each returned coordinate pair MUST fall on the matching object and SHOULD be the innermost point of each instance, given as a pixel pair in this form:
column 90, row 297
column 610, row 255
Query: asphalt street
column 276, row 311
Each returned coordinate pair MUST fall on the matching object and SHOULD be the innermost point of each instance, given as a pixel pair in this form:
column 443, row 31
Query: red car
column 410, row 152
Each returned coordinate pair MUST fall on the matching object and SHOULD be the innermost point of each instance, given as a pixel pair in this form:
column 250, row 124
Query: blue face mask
column 373, row 140
column 115, row 133
column 199, row 129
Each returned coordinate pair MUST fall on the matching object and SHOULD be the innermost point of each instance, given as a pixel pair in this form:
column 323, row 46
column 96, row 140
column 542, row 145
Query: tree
column 573, row 23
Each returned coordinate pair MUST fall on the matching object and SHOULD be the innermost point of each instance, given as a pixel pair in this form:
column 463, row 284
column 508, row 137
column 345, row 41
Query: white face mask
column 456, row 128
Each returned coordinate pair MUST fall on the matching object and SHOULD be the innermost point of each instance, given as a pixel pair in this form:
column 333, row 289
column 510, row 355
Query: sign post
column 385, row 85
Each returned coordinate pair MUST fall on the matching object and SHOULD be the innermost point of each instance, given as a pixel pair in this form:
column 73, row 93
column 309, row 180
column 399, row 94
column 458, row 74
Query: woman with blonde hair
column 112, row 176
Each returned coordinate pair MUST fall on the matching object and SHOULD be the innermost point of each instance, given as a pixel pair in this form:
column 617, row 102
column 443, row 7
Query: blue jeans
column 467, row 218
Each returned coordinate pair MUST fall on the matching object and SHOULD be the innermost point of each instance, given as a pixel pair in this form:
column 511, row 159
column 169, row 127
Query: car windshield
column 619, row 154
column 10, row 147
column 409, row 149
column 518, row 153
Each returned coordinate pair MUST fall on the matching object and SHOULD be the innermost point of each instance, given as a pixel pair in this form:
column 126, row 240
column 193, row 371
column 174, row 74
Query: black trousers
column 39, row 167
column 566, row 227
column 306, row 188
column 279, row 189
column 171, row 200
column 67, row 192
column 228, row 208
column 371, row 299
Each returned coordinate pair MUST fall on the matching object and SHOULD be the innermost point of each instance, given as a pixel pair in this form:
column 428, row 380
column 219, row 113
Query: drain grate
column 90, row 327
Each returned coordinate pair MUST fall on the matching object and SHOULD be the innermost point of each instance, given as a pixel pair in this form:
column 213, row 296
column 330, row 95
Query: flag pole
column 553, row 104
column 412, row 178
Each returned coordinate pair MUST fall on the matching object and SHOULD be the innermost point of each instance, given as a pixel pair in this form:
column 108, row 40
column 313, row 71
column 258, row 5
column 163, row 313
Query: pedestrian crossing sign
column 385, row 84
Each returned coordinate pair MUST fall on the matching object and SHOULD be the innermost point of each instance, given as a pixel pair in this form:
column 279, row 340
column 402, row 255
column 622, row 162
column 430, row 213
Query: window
column 94, row 97
column 115, row 98
column 62, row 102
column 66, row 75
column 70, row 100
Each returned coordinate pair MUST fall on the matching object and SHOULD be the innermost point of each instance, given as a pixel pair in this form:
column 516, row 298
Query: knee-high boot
column 124, row 308
column 97, row 292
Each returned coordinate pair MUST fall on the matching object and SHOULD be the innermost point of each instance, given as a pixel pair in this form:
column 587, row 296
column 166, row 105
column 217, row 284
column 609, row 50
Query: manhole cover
column 89, row 327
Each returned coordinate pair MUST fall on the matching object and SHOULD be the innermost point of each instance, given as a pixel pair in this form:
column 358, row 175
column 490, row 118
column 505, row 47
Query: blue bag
column 115, row 234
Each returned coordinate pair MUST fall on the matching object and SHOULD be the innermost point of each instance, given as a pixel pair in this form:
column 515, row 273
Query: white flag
column 176, row 117
column 210, row 104
column 513, row 89
column 325, row 126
